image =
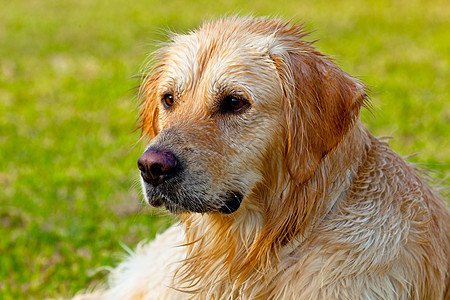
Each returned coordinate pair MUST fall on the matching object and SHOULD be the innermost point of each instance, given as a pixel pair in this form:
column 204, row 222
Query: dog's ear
column 322, row 103
column 149, row 106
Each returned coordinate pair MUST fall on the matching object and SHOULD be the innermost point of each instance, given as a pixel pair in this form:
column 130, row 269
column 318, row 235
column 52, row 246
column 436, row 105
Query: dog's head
column 236, row 102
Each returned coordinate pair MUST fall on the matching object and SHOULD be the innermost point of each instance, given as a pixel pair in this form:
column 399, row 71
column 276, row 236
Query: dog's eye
column 234, row 104
column 167, row 100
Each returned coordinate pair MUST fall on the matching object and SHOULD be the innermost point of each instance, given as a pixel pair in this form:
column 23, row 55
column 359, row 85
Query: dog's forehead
column 216, row 59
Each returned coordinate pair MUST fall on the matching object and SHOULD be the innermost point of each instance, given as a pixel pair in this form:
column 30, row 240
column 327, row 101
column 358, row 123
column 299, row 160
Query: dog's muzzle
column 165, row 184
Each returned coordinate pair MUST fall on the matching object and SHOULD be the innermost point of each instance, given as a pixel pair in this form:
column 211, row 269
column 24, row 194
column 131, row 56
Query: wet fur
column 329, row 211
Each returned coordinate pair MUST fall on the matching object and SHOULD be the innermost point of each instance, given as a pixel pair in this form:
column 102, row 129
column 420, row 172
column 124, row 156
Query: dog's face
column 225, row 109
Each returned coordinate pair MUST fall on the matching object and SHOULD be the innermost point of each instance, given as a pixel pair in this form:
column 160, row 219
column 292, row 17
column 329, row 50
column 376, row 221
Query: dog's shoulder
column 388, row 223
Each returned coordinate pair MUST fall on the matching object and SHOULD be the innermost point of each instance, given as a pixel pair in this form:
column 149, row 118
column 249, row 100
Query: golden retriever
column 281, row 191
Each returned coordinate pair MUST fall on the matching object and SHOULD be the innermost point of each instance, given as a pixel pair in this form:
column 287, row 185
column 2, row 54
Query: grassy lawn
column 69, row 196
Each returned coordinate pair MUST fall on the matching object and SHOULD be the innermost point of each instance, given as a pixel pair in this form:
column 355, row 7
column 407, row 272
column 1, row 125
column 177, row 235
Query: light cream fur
column 329, row 211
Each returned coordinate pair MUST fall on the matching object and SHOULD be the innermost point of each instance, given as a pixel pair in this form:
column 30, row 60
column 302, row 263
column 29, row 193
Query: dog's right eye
column 168, row 100
column 234, row 104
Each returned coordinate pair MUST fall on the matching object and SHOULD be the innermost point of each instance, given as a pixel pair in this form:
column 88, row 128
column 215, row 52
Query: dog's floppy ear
column 322, row 103
column 149, row 106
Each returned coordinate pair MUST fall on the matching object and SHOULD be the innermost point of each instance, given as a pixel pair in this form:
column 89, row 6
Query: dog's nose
column 157, row 166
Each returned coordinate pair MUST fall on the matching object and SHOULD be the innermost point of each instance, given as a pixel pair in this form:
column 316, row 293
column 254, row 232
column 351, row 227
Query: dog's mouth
column 231, row 202
column 168, row 204
column 225, row 203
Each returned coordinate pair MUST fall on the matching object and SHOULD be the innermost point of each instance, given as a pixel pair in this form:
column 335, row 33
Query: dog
column 281, row 192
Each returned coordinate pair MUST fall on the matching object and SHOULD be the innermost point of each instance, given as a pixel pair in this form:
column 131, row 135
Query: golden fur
column 329, row 211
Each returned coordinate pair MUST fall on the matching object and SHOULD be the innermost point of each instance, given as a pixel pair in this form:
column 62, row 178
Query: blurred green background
column 69, row 192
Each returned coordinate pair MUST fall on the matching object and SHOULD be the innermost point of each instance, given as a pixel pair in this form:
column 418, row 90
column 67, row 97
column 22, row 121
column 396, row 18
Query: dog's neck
column 275, row 217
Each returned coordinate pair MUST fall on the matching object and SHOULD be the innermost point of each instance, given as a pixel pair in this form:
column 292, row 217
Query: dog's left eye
column 168, row 100
column 234, row 104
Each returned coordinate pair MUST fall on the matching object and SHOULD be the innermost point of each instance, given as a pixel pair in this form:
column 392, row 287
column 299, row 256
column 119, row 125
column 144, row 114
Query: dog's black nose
column 157, row 166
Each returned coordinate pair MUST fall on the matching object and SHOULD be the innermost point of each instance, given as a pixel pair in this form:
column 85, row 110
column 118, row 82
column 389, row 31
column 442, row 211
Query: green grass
column 68, row 181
